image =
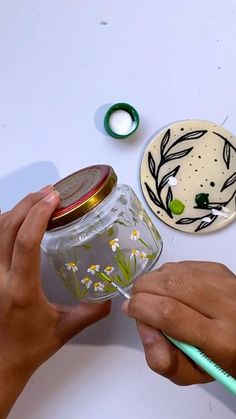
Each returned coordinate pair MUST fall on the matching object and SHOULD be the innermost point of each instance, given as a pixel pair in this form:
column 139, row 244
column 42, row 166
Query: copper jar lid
column 82, row 191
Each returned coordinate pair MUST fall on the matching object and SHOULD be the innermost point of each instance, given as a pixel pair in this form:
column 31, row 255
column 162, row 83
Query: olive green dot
column 176, row 206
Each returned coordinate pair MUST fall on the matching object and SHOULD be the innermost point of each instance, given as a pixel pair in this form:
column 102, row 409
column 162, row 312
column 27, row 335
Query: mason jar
column 100, row 238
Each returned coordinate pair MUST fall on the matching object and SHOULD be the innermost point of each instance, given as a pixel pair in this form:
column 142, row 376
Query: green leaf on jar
column 120, row 222
column 86, row 246
column 110, row 231
column 145, row 244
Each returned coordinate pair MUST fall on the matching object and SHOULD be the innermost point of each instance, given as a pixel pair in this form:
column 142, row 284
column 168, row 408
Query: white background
column 59, row 69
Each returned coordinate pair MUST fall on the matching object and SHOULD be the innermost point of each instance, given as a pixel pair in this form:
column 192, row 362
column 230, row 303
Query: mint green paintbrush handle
column 206, row 364
column 202, row 360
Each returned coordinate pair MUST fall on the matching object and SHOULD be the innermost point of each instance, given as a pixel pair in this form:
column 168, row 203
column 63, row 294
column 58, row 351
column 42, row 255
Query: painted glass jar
column 100, row 235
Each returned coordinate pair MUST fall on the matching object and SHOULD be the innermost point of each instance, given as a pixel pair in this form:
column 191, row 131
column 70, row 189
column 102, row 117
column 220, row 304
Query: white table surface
column 60, row 67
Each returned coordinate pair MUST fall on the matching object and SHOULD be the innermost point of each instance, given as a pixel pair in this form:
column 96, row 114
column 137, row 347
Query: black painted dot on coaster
column 196, row 170
column 199, row 157
column 212, row 184
column 181, row 129
column 215, row 159
column 201, row 186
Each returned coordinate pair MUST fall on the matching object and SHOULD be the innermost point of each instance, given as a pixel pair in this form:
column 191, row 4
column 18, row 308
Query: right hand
column 194, row 302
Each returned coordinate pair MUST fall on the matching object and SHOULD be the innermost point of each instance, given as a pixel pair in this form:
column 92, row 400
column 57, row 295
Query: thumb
column 76, row 318
column 165, row 359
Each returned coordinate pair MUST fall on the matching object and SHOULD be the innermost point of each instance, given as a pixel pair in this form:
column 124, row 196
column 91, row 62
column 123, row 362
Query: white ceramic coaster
column 188, row 176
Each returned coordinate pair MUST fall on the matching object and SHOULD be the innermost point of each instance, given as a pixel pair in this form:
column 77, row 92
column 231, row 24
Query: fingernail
column 147, row 334
column 52, row 197
column 124, row 307
column 46, row 189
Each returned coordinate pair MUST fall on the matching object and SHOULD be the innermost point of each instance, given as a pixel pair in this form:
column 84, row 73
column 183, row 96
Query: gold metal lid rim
column 86, row 206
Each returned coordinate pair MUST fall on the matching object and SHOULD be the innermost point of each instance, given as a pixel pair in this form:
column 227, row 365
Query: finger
column 217, row 270
column 26, row 253
column 215, row 338
column 198, row 294
column 176, row 320
column 209, row 265
column 165, row 359
column 10, row 223
column 75, row 319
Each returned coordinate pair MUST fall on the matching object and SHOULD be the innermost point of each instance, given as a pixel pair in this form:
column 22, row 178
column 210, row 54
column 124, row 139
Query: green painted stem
column 145, row 244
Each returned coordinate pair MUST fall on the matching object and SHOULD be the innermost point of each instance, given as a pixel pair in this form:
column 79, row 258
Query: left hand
column 194, row 302
column 31, row 328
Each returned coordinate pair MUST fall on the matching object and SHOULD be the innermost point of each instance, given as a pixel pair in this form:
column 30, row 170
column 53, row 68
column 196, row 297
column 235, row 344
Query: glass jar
column 100, row 237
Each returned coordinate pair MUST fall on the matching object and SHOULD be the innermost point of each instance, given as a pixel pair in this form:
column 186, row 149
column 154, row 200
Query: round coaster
column 188, row 176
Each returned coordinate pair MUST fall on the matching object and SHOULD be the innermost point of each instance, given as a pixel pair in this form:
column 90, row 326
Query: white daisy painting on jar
column 143, row 258
column 109, row 270
column 71, row 266
column 134, row 253
column 114, row 244
column 86, row 281
column 135, row 235
column 98, row 286
column 93, row 269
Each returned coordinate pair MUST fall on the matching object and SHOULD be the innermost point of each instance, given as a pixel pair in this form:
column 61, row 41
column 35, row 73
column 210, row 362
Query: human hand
column 31, row 328
column 193, row 302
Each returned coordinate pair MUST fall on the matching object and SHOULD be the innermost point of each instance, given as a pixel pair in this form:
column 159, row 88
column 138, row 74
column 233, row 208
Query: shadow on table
column 16, row 185
column 99, row 117
column 118, row 144
column 220, row 393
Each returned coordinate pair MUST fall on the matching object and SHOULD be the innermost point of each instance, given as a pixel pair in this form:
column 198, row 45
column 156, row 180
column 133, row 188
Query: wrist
column 12, row 384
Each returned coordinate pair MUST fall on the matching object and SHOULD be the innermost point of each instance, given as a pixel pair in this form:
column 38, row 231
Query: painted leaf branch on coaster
column 210, row 206
column 229, row 182
column 203, row 224
column 226, row 150
column 166, row 156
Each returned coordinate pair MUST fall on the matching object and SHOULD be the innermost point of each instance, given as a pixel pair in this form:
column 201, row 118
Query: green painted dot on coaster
column 202, row 200
column 192, row 162
column 176, row 206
